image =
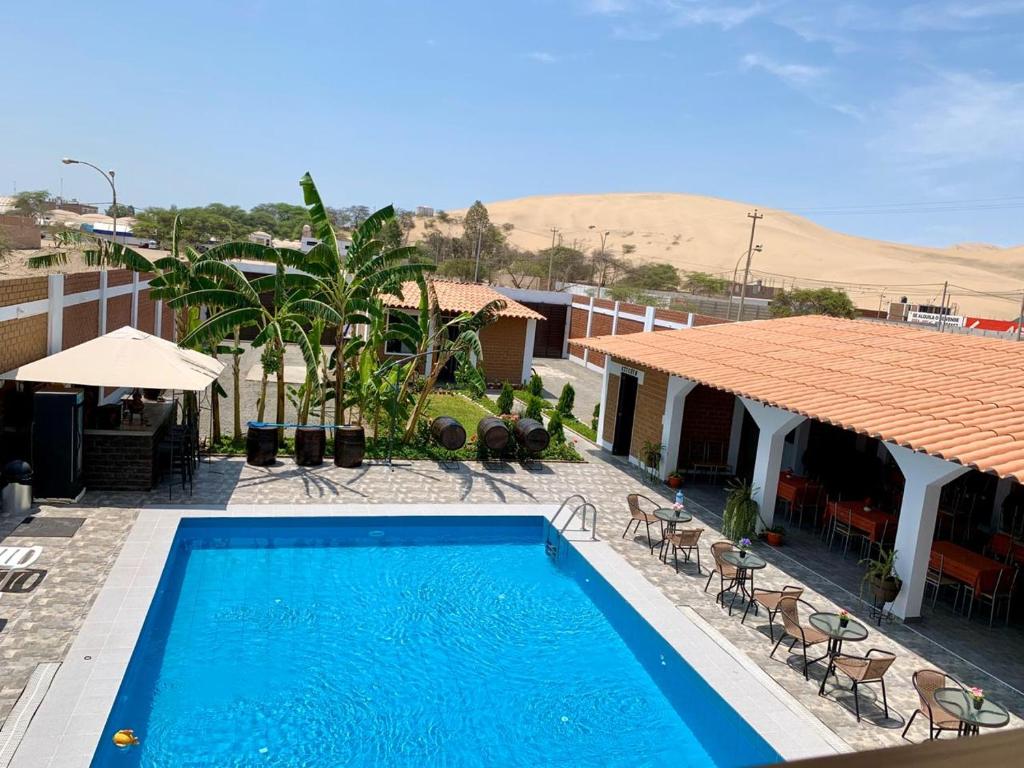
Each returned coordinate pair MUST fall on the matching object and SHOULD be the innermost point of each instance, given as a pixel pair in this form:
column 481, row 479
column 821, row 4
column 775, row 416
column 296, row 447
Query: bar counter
column 127, row 459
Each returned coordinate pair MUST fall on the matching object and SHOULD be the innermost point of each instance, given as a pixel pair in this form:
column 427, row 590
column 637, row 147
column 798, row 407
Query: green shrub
column 534, row 409
column 469, row 378
column 536, row 385
column 555, row 428
column 506, row 398
column 595, row 417
column 566, row 400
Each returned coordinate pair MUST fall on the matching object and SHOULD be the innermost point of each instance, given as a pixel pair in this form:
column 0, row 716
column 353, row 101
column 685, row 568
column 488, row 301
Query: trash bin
column 17, row 493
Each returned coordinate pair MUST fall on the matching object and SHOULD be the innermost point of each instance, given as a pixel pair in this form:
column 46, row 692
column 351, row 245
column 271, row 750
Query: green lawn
column 465, row 411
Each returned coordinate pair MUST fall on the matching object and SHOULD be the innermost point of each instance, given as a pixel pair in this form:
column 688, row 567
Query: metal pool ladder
column 552, row 546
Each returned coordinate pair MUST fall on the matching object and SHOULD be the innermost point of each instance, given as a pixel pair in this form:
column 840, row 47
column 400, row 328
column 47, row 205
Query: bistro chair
column 685, row 540
column 842, row 526
column 807, row 636
column 638, row 514
column 810, row 497
column 926, row 683
column 769, row 600
column 997, row 596
column 830, row 521
column 725, row 571
column 933, row 578
column 869, row 668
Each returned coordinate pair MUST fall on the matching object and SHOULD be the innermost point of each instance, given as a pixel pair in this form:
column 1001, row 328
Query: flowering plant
column 977, row 694
column 744, row 543
column 677, row 507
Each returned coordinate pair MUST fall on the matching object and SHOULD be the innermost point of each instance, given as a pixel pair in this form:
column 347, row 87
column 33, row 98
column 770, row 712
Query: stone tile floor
column 39, row 621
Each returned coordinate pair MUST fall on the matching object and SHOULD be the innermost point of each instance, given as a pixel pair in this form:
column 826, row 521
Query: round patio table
column 745, row 563
column 671, row 517
column 831, row 625
column 960, row 704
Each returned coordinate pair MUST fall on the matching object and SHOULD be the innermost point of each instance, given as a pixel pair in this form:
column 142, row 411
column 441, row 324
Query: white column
column 54, row 314
column 590, row 324
column 604, row 406
column 773, row 425
column 689, row 320
column 615, row 318
column 672, row 421
column 735, row 433
column 531, row 335
column 102, row 302
column 135, row 300
column 568, row 329
column 158, row 318
column 649, row 319
column 925, row 475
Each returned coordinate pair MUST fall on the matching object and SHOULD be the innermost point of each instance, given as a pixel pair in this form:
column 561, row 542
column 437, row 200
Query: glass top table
column 673, row 516
column 748, row 561
column 830, row 624
column 960, row 704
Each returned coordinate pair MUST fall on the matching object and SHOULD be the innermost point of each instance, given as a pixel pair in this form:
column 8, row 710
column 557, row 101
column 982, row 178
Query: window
column 396, row 346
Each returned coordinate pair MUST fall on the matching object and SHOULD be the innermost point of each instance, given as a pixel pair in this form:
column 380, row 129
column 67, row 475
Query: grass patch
column 467, row 412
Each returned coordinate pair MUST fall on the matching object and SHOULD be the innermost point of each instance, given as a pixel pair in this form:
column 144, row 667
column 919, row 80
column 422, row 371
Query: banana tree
column 351, row 283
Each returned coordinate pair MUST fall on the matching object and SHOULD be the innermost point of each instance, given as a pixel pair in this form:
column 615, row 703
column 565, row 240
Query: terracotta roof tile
column 956, row 396
column 461, row 297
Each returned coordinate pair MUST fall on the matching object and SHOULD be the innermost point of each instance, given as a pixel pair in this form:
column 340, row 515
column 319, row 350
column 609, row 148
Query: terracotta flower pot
column 674, row 482
column 773, row 538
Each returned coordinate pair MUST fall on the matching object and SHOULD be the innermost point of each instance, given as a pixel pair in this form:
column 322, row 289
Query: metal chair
column 807, row 636
column 725, row 571
column 866, row 669
column 638, row 515
column 769, row 599
column 996, row 597
column 933, row 578
column 926, row 683
column 685, row 540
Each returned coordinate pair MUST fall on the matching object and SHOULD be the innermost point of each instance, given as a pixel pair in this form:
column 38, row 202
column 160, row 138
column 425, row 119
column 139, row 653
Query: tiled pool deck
column 40, row 624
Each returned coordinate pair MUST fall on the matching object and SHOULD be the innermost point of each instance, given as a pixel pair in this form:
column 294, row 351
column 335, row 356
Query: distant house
column 307, row 241
column 261, row 238
column 425, row 211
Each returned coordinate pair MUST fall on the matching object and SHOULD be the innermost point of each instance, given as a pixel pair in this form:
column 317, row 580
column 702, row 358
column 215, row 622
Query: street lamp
column 109, row 177
column 732, row 288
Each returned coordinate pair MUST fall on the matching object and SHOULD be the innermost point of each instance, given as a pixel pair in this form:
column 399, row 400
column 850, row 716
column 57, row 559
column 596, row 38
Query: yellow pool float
column 125, row 738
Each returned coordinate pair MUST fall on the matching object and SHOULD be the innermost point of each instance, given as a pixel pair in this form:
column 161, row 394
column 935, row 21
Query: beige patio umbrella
column 126, row 357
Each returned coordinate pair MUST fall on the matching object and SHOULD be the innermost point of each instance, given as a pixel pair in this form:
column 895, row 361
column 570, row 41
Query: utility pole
column 476, row 270
column 1020, row 316
column 942, row 309
column 551, row 255
column 750, row 252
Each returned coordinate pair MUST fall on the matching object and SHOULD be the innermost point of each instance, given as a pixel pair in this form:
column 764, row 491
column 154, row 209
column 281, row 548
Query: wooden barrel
column 349, row 446
column 448, row 433
column 310, row 445
column 531, row 435
column 492, row 433
column 261, row 446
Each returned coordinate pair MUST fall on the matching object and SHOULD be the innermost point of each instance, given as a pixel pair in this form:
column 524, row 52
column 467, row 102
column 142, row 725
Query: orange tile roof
column 461, row 297
column 958, row 397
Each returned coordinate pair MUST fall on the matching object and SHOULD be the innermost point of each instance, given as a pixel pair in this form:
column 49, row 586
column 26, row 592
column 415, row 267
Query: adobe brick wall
column 708, row 320
column 600, row 326
column 650, row 408
column 22, row 341
column 118, row 277
column 147, row 312
column 19, row 232
column 81, row 282
column 504, row 343
column 23, row 289
column 608, row 428
column 707, row 418
column 81, row 323
column 577, row 329
column 119, row 312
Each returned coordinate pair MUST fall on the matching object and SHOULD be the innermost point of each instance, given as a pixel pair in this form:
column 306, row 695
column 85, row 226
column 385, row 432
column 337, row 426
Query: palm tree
column 350, row 284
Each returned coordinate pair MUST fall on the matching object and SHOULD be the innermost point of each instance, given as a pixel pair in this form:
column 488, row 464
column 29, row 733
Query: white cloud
column 793, row 74
column 850, row 111
column 608, row 7
column 959, row 118
column 637, row 33
column 543, row 57
column 697, row 12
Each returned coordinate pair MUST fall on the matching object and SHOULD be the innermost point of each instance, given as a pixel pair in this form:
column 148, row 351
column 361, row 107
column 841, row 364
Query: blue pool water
column 405, row 642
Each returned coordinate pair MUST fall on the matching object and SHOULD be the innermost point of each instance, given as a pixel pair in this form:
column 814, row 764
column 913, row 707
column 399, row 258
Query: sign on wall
column 934, row 318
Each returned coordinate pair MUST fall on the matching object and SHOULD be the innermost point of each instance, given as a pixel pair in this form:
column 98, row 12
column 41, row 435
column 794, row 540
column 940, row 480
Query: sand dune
column 703, row 233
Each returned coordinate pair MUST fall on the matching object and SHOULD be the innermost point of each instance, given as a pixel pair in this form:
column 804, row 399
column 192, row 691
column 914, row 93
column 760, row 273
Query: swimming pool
column 405, row 641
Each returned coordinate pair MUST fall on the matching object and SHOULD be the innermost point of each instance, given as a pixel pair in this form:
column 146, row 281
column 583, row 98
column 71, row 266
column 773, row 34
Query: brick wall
column 81, row 323
column 22, row 341
column 707, row 422
column 708, row 320
column 608, row 428
column 118, row 277
column 125, row 462
column 600, row 326
column 119, row 312
column 650, row 409
column 504, row 343
column 19, row 232
column 21, row 290
column 147, row 312
column 577, row 329
column 81, row 282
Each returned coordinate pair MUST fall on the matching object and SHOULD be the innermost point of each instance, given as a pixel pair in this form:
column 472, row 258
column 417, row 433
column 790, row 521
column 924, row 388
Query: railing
column 552, row 547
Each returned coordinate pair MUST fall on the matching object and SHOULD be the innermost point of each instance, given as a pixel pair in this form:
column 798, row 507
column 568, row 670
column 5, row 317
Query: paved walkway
column 40, row 622
column 557, row 373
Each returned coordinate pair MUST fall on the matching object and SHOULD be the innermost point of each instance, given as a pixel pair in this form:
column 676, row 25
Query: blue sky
column 815, row 106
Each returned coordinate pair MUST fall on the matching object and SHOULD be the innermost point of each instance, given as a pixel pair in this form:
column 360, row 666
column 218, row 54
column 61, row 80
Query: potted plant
column 651, row 454
column 977, row 696
column 675, row 479
column 774, row 535
column 743, row 544
column 739, row 520
column 844, row 619
column 881, row 577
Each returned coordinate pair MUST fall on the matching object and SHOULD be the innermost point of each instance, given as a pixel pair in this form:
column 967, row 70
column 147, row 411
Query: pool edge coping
column 68, row 724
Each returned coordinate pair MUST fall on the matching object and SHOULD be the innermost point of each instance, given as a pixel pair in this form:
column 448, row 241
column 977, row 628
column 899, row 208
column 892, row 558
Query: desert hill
column 709, row 234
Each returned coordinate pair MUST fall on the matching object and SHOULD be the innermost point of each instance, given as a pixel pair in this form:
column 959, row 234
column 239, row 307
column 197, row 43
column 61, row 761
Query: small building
column 751, row 398
column 261, row 238
column 507, row 343
column 307, row 241
column 19, row 232
column 425, row 210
